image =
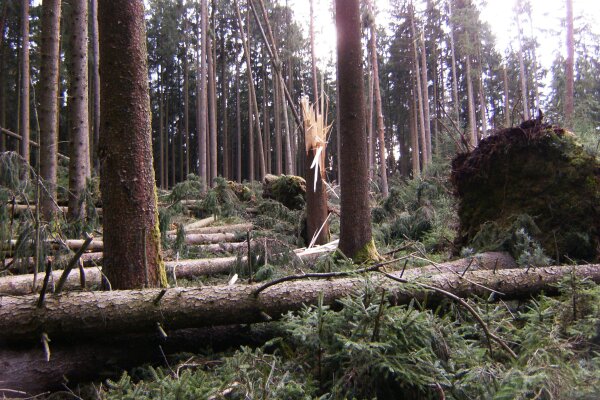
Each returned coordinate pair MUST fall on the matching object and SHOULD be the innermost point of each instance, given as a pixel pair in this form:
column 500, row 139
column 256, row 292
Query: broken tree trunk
column 127, row 311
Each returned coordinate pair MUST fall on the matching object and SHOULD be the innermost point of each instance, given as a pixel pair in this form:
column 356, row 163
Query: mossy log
column 24, row 371
column 118, row 312
column 536, row 170
column 289, row 190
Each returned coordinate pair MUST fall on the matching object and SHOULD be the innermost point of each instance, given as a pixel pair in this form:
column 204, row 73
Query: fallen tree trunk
column 21, row 208
column 215, row 229
column 119, row 312
column 24, row 371
column 222, row 247
column 23, row 284
column 27, row 264
column 208, row 238
column 72, row 244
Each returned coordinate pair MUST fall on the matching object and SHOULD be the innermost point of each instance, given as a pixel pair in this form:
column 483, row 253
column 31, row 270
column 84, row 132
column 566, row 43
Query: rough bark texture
column 120, row 312
column 25, row 369
column 48, row 113
column 355, row 221
column 203, row 95
column 24, row 82
column 127, row 176
column 79, row 168
column 95, row 75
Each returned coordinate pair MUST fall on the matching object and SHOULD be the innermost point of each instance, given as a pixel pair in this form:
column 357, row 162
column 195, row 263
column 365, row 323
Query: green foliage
column 221, row 200
column 191, row 188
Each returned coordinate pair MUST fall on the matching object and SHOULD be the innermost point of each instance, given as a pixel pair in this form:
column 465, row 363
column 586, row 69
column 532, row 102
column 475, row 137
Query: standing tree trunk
column 186, row 100
column 203, row 95
column 378, row 108
column 238, row 122
column 356, row 241
column 24, row 84
column 454, row 74
column 49, row 106
column 132, row 257
column 425, row 82
column 420, row 94
column 569, row 74
column 313, row 58
column 79, row 167
column 506, row 101
column 225, row 83
column 522, row 76
column 212, row 113
column 95, row 83
column 414, row 135
column 471, row 103
column 277, row 125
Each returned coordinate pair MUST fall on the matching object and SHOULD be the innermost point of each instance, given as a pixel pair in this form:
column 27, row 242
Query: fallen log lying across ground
column 213, row 229
column 25, row 372
column 127, row 311
column 73, row 244
column 27, row 264
column 23, row 284
column 209, row 238
column 21, row 208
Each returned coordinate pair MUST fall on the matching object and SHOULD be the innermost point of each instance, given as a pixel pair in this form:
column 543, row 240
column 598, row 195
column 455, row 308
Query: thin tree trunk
column 161, row 134
column 186, row 100
column 425, row 82
column 79, row 167
column 420, row 94
column 523, row 78
column 266, row 124
column 569, row 67
column 132, row 256
column 313, row 58
column 471, row 104
column 212, row 98
column 378, row 107
column 225, row 84
column 277, row 125
column 3, row 26
column 48, row 114
column 455, row 102
column 238, row 122
column 203, row 95
column 414, row 135
column 24, row 83
column 482, row 108
column 289, row 158
column 95, row 82
column 369, row 107
column 506, row 98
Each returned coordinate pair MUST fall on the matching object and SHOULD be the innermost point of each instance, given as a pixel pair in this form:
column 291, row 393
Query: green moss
column 156, row 241
column 368, row 254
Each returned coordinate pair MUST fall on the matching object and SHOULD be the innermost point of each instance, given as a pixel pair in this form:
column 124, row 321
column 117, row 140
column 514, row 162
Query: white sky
column 498, row 13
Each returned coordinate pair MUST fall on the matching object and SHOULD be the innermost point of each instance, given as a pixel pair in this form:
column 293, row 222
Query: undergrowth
column 372, row 349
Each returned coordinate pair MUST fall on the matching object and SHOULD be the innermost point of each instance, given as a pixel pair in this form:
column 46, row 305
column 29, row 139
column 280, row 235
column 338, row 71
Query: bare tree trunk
column 378, row 107
column 569, row 67
column 414, row 135
column 356, row 240
column 48, row 113
column 315, row 78
column 132, row 255
column 289, row 158
column 524, row 94
column 212, row 112
column 425, row 82
column 266, row 124
column 471, row 103
column 95, row 82
column 506, row 99
column 186, row 100
column 3, row 26
column 224, row 107
column 455, row 102
column 277, row 131
column 369, row 107
column 24, row 82
column 161, row 134
column 420, row 94
column 482, row 108
column 79, row 167
column 203, row 95
column 238, row 119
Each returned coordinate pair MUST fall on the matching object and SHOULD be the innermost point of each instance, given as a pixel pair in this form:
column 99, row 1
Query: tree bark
column 420, row 105
column 313, row 58
column 48, row 114
column 355, row 222
column 24, row 83
column 569, row 68
column 471, row 103
column 454, row 74
column 425, row 82
column 212, row 109
column 95, row 72
column 203, row 95
column 127, row 311
column 79, row 167
column 414, row 131
column 238, row 126
column 523, row 78
column 506, row 98
column 132, row 253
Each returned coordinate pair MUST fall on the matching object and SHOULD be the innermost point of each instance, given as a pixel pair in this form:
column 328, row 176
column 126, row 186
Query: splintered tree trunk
column 132, row 256
column 95, row 82
column 315, row 131
column 79, row 169
column 24, row 82
column 355, row 223
column 49, row 106
column 569, row 66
